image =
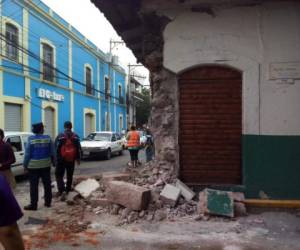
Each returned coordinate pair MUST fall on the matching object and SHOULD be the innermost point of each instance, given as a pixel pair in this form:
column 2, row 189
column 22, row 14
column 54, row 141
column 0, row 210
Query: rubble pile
column 153, row 194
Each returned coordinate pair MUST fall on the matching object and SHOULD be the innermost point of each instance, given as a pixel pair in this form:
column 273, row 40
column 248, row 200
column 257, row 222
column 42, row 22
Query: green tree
column 143, row 107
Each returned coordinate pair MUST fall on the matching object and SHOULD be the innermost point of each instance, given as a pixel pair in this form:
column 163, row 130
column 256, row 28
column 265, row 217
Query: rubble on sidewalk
column 151, row 193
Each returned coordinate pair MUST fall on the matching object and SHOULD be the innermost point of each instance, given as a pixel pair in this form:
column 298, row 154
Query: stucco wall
column 248, row 39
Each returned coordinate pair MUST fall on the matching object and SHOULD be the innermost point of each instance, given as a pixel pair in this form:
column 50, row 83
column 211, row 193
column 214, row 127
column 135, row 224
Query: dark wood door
column 210, row 125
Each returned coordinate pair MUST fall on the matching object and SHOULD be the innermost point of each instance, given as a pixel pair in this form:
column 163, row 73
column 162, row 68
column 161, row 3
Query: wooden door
column 210, row 125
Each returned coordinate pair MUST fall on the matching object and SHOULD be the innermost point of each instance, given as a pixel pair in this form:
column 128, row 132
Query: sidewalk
column 69, row 227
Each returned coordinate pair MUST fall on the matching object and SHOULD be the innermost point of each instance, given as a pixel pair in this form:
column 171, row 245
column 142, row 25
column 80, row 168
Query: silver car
column 103, row 143
column 18, row 141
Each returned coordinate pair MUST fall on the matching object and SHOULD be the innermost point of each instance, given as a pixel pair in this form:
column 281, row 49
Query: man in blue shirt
column 10, row 212
column 39, row 155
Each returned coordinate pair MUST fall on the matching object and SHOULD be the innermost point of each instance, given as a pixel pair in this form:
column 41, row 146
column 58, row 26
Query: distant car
column 18, row 141
column 102, row 143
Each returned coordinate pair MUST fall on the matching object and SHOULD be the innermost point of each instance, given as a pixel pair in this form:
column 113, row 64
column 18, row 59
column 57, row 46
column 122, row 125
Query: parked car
column 102, row 143
column 18, row 141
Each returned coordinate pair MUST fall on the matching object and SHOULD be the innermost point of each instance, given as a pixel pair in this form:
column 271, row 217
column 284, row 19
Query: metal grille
column 13, row 117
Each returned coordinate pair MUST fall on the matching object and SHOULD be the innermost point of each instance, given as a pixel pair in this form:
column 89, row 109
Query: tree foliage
column 143, row 108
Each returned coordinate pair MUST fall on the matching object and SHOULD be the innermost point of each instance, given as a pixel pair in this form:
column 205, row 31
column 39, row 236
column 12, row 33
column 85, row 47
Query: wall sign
column 284, row 70
column 50, row 95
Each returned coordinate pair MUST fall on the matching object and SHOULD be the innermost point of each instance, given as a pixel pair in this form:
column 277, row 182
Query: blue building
column 50, row 72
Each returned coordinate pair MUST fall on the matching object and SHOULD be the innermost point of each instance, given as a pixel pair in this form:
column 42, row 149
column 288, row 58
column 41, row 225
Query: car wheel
column 108, row 154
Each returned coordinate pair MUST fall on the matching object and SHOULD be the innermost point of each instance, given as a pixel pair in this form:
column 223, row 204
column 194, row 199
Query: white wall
column 248, row 39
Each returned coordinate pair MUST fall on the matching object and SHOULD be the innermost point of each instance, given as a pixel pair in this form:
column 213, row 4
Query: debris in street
column 239, row 209
column 238, row 196
column 113, row 176
column 216, row 202
column 186, row 192
column 86, row 187
column 128, row 195
column 170, row 194
column 35, row 221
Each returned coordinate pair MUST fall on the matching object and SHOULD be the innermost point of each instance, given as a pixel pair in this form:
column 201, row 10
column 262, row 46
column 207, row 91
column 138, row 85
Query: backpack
column 68, row 150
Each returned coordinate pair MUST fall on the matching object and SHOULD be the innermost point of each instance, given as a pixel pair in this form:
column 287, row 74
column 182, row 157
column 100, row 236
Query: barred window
column 12, row 37
column 88, row 80
column 48, row 62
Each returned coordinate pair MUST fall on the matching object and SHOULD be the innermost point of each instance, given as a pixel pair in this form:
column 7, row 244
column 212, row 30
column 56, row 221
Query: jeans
column 34, row 176
column 59, row 174
column 134, row 154
column 149, row 153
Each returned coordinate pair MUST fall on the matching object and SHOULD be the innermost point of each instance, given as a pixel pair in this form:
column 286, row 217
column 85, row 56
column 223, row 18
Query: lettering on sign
column 285, row 70
column 50, row 95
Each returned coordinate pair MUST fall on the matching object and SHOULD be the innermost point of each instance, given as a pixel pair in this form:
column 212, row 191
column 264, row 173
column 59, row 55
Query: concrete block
column 186, row 192
column 216, row 202
column 240, row 209
column 113, row 176
column 128, row 195
column 238, row 196
column 86, row 187
column 170, row 194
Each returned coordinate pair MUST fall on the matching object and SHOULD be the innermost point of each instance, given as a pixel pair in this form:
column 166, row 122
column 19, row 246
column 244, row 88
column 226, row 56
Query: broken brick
column 170, row 194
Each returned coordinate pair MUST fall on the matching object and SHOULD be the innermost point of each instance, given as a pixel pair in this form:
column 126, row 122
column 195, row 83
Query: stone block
column 128, row 195
column 186, row 192
column 240, row 209
column 170, row 194
column 113, row 176
column 216, row 202
column 238, row 196
column 86, row 187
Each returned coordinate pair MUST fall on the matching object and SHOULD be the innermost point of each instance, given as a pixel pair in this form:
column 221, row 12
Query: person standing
column 10, row 236
column 7, row 158
column 39, row 155
column 68, row 150
column 133, row 145
column 149, row 146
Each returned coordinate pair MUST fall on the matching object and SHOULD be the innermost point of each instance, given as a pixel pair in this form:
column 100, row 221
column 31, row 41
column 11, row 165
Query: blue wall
column 41, row 27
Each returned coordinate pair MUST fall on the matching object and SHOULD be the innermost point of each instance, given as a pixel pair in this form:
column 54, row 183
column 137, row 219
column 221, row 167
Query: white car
column 103, row 143
column 18, row 141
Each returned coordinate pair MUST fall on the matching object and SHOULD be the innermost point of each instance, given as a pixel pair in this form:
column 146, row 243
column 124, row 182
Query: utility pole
column 112, row 45
column 131, row 98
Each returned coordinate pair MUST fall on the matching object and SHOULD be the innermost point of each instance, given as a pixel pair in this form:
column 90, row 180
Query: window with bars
column 107, row 88
column 88, row 80
column 48, row 62
column 12, row 37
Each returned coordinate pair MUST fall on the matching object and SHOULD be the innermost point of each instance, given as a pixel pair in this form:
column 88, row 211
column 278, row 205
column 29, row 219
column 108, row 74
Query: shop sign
column 50, row 95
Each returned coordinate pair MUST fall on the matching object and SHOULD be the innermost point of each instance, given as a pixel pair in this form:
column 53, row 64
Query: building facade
column 226, row 88
column 50, row 72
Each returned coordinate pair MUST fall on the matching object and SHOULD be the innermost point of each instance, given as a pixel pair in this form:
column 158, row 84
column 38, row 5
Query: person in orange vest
column 133, row 145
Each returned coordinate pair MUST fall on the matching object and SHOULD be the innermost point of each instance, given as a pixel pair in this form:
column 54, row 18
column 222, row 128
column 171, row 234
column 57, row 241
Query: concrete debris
column 216, row 202
column 160, row 215
column 102, row 202
column 186, row 192
column 86, row 187
column 113, row 176
column 170, row 194
column 239, row 209
column 238, row 196
column 128, row 195
column 263, row 195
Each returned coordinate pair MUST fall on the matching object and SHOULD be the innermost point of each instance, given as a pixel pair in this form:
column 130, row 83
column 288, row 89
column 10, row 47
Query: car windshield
column 98, row 137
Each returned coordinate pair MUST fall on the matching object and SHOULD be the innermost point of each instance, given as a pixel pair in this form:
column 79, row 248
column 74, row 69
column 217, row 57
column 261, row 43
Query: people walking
column 149, row 145
column 39, row 155
column 7, row 158
column 68, row 150
column 133, row 145
column 10, row 236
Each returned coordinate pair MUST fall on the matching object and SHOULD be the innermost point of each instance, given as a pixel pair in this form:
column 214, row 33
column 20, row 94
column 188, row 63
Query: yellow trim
column 99, row 95
column 273, row 203
column 49, row 43
column 6, row 20
column 53, row 105
column 1, row 101
column 70, row 82
column 115, row 105
column 25, row 38
column 25, row 105
column 92, row 112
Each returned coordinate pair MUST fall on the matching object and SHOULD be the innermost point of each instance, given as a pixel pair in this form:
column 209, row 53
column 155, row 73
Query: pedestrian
column 133, row 145
column 39, row 155
column 149, row 145
column 7, row 158
column 68, row 150
column 10, row 236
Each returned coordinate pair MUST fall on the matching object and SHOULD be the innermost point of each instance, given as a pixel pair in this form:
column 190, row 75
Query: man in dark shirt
column 7, row 158
column 10, row 212
column 66, row 164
